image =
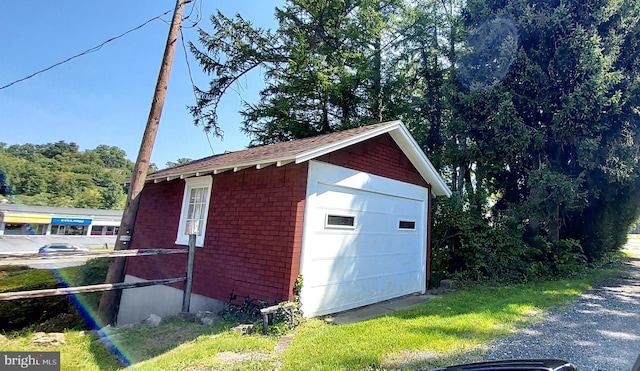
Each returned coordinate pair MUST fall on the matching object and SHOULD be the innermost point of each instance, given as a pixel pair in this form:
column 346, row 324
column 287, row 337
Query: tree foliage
column 559, row 134
column 323, row 67
column 59, row 174
column 178, row 162
column 5, row 189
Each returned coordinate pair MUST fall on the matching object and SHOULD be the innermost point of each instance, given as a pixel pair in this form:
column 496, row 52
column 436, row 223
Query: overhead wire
column 186, row 58
column 193, row 85
column 194, row 23
column 198, row 15
column 88, row 51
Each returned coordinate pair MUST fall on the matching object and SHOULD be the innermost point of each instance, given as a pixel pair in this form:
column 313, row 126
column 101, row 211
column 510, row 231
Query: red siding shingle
column 249, row 242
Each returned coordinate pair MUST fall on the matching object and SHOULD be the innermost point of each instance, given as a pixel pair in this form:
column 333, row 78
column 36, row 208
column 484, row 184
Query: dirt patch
column 42, row 338
column 406, row 359
column 284, row 343
column 233, row 357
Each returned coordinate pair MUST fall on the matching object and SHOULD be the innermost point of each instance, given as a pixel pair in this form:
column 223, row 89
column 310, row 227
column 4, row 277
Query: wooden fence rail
column 35, row 258
column 28, row 259
column 82, row 289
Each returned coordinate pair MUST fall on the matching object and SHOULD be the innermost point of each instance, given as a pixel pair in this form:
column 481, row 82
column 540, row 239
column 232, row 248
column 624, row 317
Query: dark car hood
column 515, row 365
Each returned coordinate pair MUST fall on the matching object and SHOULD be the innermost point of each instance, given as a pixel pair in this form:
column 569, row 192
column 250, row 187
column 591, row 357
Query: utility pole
column 110, row 299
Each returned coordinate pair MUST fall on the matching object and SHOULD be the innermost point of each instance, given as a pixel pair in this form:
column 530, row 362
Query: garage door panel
column 351, row 199
column 366, row 243
column 328, row 271
column 361, row 292
column 362, row 252
column 369, row 286
column 344, row 266
column 366, row 223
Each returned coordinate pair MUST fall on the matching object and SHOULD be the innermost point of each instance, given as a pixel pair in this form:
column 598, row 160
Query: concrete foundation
column 138, row 303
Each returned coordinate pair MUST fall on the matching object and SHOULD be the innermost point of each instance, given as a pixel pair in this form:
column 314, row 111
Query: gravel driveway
column 600, row 331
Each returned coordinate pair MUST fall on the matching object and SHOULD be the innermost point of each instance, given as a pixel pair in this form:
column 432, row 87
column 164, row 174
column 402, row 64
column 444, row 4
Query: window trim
column 190, row 183
column 334, row 226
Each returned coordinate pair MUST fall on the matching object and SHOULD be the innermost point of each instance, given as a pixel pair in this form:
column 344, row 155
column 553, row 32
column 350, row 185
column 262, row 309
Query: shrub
column 473, row 247
column 567, row 258
column 248, row 311
column 54, row 313
column 288, row 317
column 93, row 272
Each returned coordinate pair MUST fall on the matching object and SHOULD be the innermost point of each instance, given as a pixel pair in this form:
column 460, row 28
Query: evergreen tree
column 323, row 67
column 557, row 138
column 533, row 120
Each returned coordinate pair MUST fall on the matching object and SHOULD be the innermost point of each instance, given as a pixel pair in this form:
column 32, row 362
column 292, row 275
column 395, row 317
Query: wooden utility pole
column 110, row 299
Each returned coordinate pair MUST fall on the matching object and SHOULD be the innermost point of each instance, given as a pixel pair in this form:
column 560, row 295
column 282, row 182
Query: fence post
column 186, row 295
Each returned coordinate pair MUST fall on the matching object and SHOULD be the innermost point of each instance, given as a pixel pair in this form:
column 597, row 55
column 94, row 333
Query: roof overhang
column 396, row 130
column 404, row 140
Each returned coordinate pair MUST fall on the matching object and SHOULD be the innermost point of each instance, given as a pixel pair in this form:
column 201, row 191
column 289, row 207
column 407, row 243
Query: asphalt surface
column 31, row 243
column 599, row 331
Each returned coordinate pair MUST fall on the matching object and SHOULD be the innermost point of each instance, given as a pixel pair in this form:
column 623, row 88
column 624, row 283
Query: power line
column 198, row 15
column 193, row 87
column 91, row 50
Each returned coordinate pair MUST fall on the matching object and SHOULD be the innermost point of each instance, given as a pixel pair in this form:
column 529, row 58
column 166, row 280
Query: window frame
column 400, row 221
column 338, row 226
column 193, row 183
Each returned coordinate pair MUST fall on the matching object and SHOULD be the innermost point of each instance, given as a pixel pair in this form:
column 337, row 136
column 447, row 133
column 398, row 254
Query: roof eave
column 320, row 151
column 280, row 161
column 404, row 140
column 396, row 129
column 412, row 150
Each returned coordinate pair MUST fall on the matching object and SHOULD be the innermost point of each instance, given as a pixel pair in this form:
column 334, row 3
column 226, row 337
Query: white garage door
column 364, row 239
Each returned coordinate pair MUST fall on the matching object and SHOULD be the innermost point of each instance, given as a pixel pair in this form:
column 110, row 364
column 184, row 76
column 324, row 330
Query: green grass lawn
column 442, row 331
column 428, row 335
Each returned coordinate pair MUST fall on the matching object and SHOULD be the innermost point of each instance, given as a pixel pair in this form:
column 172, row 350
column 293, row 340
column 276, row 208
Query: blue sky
column 104, row 97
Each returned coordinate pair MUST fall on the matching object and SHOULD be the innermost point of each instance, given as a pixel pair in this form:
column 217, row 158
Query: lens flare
column 489, row 52
column 90, row 318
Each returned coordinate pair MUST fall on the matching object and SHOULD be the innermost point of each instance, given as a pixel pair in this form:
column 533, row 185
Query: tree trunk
column 377, row 74
column 326, row 128
column 377, row 80
column 554, row 225
column 534, row 199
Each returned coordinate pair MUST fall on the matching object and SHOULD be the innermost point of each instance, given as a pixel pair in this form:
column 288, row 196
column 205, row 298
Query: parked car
column 60, row 248
column 512, row 365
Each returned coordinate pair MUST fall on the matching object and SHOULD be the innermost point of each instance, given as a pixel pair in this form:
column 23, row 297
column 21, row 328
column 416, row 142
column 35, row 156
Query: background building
column 25, row 228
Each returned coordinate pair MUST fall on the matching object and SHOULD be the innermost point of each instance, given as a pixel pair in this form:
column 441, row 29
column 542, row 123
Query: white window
column 195, row 209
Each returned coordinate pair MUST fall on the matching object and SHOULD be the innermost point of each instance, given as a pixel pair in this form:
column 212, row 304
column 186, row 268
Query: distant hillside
column 59, row 174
